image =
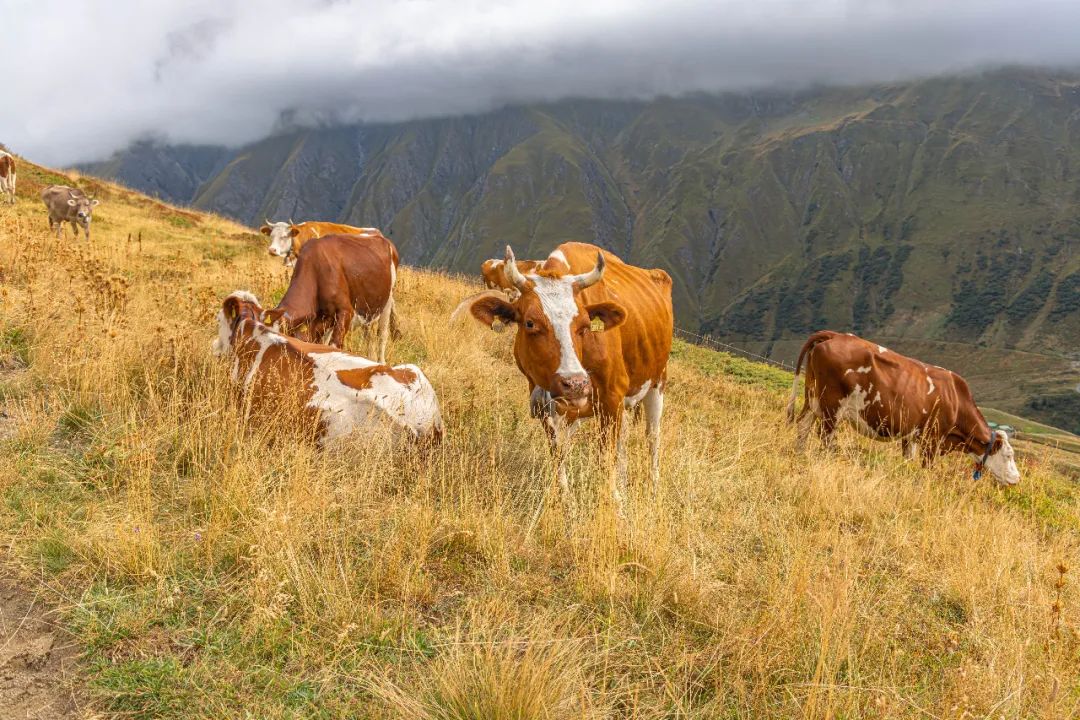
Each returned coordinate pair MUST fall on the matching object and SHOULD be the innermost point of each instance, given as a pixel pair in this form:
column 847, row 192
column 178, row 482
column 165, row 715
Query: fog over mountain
column 230, row 72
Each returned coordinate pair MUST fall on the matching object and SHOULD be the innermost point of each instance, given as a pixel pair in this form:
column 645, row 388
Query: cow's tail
column 811, row 342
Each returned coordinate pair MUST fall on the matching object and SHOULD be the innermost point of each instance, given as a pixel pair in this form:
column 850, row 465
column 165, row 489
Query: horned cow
column 576, row 371
column 287, row 238
column 886, row 395
column 68, row 204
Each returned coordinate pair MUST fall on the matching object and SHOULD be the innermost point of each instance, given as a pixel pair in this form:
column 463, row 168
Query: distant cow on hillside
column 341, row 392
column 886, row 395
column 495, row 278
column 340, row 279
column 68, row 204
column 7, row 176
column 286, row 238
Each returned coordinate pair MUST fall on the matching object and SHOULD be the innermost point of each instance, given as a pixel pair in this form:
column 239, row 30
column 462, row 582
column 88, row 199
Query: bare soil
column 39, row 678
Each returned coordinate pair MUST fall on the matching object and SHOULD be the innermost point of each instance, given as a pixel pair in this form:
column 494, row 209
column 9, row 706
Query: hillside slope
column 938, row 210
column 212, row 569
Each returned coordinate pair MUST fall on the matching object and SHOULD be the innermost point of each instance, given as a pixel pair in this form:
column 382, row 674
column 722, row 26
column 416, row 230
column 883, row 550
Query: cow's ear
column 489, row 309
column 609, row 313
column 72, row 202
column 265, row 229
column 294, row 231
column 231, row 308
column 94, row 203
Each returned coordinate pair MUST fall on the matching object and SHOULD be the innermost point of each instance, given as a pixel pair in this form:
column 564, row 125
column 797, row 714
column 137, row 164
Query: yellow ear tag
column 596, row 325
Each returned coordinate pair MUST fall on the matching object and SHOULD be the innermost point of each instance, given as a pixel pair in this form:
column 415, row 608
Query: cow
column 886, row 395
column 340, row 392
column 339, row 280
column 495, row 276
column 7, row 176
column 593, row 339
column 68, row 204
column 286, row 239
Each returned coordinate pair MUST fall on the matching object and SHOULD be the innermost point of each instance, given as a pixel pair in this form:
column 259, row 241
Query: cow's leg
column 612, row 436
column 341, row 327
column 827, row 426
column 384, row 327
column 910, row 444
column 74, row 229
column 559, row 433
column 654, row 409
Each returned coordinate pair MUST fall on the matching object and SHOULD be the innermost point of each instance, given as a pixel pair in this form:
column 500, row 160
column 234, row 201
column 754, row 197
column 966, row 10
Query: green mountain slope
column 938, row 210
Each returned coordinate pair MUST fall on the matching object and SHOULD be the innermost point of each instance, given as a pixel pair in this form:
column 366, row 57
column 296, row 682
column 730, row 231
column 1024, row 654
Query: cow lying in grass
column 341, row 392
column 886, row 395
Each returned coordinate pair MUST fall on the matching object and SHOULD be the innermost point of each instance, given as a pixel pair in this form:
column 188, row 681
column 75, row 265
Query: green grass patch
column 711, row 363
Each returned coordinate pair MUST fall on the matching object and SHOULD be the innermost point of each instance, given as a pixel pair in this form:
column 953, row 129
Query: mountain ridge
column 939, row 209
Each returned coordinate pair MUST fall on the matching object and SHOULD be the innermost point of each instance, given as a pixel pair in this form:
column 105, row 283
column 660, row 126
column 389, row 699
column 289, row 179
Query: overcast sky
column 83, row 79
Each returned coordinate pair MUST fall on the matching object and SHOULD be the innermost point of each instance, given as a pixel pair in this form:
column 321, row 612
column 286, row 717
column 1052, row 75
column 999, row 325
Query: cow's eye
column 529, row 324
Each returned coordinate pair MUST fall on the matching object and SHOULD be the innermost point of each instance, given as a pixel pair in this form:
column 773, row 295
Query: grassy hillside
column 942, row 209
column 212, row 570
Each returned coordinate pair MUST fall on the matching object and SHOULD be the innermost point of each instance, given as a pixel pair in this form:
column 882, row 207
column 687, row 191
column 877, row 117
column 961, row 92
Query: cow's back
column 646, row 333
column 56, row 198
column 360, row 265
column 894, row 394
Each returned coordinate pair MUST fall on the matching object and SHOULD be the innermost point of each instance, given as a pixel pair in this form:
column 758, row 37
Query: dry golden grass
column 215, row 569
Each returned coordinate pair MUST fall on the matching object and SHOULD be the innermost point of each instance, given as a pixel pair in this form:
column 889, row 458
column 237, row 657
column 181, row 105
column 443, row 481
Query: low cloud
column 86, row 79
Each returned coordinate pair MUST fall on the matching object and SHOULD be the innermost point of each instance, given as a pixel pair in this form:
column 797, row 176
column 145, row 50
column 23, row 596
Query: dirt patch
column 38, row 675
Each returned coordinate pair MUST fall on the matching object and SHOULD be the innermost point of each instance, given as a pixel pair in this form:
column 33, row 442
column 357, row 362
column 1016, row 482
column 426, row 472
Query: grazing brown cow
column 341, row 391
column 495, row 276
column 338, row 280
column 286, row 239
column 887, row 395
column 68, row 204
column 7, row 176
column 576, row 371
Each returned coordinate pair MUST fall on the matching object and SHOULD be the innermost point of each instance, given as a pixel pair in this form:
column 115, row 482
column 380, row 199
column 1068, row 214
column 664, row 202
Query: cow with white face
column 886, row 395
column 593, row 338
column 287, row 238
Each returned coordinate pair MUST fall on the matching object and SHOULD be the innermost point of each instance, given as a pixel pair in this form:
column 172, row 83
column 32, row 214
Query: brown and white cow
column 7, row 176
column 495, row 275
column 886, row 395
column 577, row 370
column 71, row 205
column 339, row 280
column 286, row 238
column 342, row 392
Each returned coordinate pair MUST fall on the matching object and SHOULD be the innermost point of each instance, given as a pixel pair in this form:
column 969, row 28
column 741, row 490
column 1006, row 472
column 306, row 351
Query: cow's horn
column 592, row 277
column 268, row 221
column 512, row 273
column 291, row 221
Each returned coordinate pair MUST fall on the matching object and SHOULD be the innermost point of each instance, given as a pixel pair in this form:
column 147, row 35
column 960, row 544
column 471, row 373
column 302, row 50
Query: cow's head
column 239, row 305
column 281, row 237
column 1001, row 460
column 554, row 326
column 493, row 274
column 84, row 209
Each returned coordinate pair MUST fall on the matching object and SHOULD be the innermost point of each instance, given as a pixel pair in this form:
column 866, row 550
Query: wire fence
column 714, row 344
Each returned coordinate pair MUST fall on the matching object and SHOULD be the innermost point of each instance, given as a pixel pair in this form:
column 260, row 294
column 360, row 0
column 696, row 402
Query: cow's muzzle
column 572, row 390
